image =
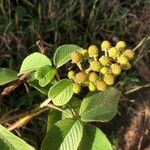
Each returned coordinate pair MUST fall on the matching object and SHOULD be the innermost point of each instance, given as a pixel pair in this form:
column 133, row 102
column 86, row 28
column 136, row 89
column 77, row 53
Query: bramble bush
column 69, row 120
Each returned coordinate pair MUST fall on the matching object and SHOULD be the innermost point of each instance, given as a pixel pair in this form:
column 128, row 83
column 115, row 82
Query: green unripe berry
column 71, row 74
column 76, row 88
column 129, row 54
column 76, row 57
column 84, row 53
column 101, row 85
column 113, row 52
column 122, row 60
column 127, row 66
column 92, row 86
column 93, row 77
column 121, row 45
column 116, row 69
column 104, row 60
column 95, row 66
column 109, row 79
column 93, row 51
column 105, row 70
column 80, row 77
column 105, row 45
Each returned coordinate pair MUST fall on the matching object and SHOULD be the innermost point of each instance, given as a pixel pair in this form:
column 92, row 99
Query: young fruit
column 101, row 85
column 84, row 53
column 109, row 79
column 80, row 77
column 76, row 57
column 92, row 86
column 116, row 69
column 113, row 52
column 105, row 70
column 122, row 60
column 105, row 45
column 127, row 66
column 95, row 66
column 104, row 60
column 93, row 51
column 129, row 54
column 93, row 77
column 121, row 45
column 76, row 88
column 71, row 74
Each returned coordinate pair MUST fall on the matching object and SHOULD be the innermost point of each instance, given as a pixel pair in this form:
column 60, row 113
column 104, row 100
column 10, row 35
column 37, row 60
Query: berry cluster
column 102, row 69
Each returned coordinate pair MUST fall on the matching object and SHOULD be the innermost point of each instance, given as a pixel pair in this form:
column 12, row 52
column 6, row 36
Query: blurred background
column 81, row 22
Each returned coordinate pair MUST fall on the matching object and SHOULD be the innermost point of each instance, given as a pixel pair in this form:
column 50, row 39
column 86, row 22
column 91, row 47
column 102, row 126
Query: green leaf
column 33, row 62
column 62, row 54
column 7, row 75
column 53, row 117
column 9, row 141
column 100, row 106
column 94, row 139
column 45, row 74
column 61, row 93
column 64, row 135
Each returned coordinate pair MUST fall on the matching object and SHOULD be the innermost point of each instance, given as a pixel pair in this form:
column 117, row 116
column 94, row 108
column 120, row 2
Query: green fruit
column 95, row 66
column 122, row 60
column 109, row 79
column 93, row 77
column 104, row 60
column 121, row 45
column 71, row 74
column 129, row 54
column 116, row 69
column 101, row 85
column 105, row 45
column 80, row 77
column 92, row 86
column 76, row 88
column 113, row 52
column 93, row 51
column 105, row 70
column 84, row 53
column 76, row 57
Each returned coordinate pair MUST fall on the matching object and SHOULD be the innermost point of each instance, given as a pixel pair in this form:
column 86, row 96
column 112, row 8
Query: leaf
column 61, row 93
column 62, row 54
column 45, row 74
column 94, row 139
column 53, row 117
column 9, row 141
column 100, row 106
column 64, row 135
column 33, row 62
column 7, row 75
column 35, row 83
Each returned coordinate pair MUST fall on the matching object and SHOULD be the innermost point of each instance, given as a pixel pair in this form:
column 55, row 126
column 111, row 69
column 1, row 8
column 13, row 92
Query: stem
column 59, row 109
column 79, row 65
column 57, row 76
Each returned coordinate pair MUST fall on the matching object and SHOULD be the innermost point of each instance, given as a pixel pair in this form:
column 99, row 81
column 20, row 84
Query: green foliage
column 100, row 106
column 61, row 93
column 63, row 53
column 9, row 141
column 94, row 139
column 64, row 135
column 7, row 75
column 53, row 117
column 33, row 62
column 45, row 74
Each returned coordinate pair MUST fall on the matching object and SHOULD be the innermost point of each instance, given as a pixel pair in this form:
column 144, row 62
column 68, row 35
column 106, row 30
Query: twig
column 25, row 117
column 12, row 87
